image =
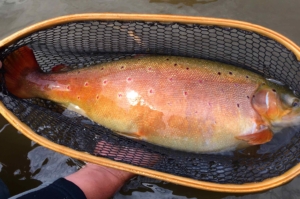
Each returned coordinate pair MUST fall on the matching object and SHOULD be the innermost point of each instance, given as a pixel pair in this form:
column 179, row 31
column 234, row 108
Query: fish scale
column 181, row 103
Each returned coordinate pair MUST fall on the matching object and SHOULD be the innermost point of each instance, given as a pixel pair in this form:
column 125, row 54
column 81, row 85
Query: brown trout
column 181, row 103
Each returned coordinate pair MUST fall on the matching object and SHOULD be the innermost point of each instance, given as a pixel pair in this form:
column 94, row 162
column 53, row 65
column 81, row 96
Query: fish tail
column 17, row 66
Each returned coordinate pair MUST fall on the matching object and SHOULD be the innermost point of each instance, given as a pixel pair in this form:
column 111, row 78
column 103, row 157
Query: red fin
column 17, row 65
column 260, row 137
column 60, row 68
column 136, row 136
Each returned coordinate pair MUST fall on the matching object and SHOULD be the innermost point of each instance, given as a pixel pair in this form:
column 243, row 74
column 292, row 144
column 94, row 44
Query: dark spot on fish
column 185, row 93
column 247, row 76
column 122, row 67
column 129, row 79
column 188, row 68
column 175, row 64
column 150, row 68
column 119, row 95
column 68, row 87
column 105, row 82
column 238, row 105
column 200, row 81
column 230, row 73
column 167, row 59
column 101, row 68
column 97, row 97
column 78, row 97
column 263, row 84
column 171, row 79
column 150, row 91
column 253, row 96
column 86, row 84
column 274, row 90
column 78, row 72
column 219, row 73
column 248, row 97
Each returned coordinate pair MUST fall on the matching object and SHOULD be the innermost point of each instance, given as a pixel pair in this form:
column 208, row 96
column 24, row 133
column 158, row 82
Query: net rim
column 232, row 188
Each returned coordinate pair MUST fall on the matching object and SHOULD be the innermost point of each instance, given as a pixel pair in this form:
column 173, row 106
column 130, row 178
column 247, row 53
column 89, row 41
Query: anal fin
column 260, row 137
column 135, row 136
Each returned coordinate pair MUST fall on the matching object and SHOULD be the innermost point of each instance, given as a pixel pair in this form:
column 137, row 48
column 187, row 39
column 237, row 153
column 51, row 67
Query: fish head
column 277, row 105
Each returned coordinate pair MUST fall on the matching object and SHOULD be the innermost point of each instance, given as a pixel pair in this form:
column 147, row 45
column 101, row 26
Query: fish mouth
column 285, row 122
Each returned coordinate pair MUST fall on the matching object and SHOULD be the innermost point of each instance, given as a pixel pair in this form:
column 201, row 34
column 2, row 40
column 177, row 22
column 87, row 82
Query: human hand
column 102, row 182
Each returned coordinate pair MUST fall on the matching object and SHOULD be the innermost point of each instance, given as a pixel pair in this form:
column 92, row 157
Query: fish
column 181, row 103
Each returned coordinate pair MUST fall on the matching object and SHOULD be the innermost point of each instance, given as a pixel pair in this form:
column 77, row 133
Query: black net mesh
column 81, row 44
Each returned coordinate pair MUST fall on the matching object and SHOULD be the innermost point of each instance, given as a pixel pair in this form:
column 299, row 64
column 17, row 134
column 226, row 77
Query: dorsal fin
column 60, row 68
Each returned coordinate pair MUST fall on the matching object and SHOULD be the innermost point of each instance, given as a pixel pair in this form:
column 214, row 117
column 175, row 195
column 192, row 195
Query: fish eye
column 295, row 103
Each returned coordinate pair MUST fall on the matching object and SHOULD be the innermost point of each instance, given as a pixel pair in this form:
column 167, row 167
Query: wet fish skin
column 182, row 103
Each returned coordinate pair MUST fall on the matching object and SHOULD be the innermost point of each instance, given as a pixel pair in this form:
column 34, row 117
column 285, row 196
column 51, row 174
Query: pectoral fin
column 260, row 137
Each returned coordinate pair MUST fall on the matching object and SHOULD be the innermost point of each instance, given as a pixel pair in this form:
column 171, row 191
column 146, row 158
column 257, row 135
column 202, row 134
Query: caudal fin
column 17, row 66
